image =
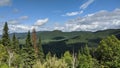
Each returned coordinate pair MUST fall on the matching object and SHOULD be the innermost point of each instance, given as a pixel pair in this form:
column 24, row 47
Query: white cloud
column 86, row 4
column 23, row 18
column 21, row 28
column 17, row 20
column 5, row 2
column 73, row 13
column 97, row 21
column 82, row 7
column 92, row 22
column 57, row 26
column 13, row 22
column 40, row 22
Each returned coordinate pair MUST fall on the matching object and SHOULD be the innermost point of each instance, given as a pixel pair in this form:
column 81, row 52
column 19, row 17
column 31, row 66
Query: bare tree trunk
column 10, row 53
column 73, row 62
column 74, row 59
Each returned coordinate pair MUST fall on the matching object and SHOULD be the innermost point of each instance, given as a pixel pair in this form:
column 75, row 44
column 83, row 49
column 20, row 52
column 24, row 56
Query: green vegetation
column 63, row 50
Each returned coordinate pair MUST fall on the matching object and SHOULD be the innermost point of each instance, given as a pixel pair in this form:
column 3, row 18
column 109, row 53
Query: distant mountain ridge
column 57, row 42
column 82, row 36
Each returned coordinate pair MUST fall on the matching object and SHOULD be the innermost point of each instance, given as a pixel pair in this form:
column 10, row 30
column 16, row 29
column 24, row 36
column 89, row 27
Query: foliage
column 31, row 55
column 68, row 58
column 85, row 60
column 4, row 66
column 52, row 62
column 3, row 54
column 28, row 54
column 108, row 52
column 40, row 50
column 15, row 43
column 5, row 36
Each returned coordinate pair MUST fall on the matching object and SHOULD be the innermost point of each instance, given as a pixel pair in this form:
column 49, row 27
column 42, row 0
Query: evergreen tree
column 86, row 51
column 28, row 53
column 28, row 40
column 85, row 60
column 5, row 35
column 68, row 58
column 15, row 43
column 6, row 42
column 40, row 49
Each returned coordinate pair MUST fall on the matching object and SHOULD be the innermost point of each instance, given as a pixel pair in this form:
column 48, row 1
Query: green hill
column 57, row 42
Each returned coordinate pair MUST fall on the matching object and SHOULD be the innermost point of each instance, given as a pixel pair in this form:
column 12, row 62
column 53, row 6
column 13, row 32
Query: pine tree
column 68, row 58
column 28, row 53
column 6, row 42
column 85, row 60
column 86, row 51
column 40, row 49
column 5, row 35
column 28, row 40
column 15, row 43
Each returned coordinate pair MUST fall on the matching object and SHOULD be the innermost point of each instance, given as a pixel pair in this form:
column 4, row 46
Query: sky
column 65, row 15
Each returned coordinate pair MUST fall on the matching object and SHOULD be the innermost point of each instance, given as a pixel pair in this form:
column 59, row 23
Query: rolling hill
column 57, row 42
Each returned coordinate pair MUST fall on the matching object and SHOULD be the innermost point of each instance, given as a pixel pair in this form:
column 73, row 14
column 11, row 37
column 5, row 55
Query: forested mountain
column 57, row 42
column 88, row 37
column 57, row 49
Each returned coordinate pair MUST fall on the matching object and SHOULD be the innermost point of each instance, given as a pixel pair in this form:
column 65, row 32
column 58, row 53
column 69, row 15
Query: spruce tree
column 15, row 43
column 5, row 35
column 6, row 42
column 40, row 49
column 28, row 40
column 28, row 53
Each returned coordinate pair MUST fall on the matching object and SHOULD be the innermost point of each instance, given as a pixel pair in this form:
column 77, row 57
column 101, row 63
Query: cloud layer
column 100, row 20
column 5, row 2
column 82, row 8
column 97, row 21
column 86, row 4
column 16, row 26
column 41, row 22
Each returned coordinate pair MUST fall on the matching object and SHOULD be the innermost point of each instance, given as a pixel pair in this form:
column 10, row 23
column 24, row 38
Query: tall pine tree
column 28, row 53
column 15, row 43
column 5, row 35
column 40, row 49
column 28, row 40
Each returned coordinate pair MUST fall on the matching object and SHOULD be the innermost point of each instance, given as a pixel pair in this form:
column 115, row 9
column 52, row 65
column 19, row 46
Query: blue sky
column 65, row 15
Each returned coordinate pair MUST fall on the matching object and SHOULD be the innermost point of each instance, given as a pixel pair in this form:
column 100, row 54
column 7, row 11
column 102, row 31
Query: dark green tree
column 5, row 35
column 86, row 50
column 15, row 43
column 40, row 49
column 28, row 40
column 85, row 60
column 6, row 42
column 28, row 53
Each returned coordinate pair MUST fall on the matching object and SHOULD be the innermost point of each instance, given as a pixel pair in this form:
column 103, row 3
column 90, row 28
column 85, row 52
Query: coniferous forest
column 32, row 53
column 59, row 33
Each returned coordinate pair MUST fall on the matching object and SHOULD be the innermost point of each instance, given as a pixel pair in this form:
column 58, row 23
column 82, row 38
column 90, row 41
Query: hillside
column 69, row 37
column 58, row 42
